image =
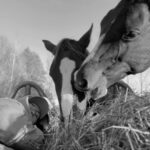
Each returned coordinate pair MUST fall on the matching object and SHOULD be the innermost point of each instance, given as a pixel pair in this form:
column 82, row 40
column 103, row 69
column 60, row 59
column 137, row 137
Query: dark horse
column 68, row 56
column 123, row 48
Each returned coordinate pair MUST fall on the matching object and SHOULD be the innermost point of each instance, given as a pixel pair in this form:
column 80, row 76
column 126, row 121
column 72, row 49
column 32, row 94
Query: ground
column 122, row 123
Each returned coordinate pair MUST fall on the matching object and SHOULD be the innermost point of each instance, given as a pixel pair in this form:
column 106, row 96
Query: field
column 122, row 123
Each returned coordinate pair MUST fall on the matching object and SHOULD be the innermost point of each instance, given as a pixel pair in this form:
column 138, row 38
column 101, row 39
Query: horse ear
column 85, row 39
column 50, row 46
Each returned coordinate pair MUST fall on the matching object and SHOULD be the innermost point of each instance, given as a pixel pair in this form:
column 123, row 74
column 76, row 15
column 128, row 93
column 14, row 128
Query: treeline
column 19, row 67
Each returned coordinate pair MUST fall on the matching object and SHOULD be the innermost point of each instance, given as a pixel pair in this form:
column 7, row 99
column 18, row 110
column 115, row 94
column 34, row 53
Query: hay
column 118, row 124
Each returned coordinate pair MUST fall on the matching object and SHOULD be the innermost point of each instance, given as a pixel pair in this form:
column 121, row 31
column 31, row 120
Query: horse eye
column 130, row 35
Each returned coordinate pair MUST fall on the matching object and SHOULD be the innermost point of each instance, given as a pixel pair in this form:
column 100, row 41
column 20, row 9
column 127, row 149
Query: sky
column 26, row 22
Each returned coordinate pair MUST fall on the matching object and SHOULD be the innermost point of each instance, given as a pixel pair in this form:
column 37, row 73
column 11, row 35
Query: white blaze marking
column 82, row 105
column 66, row 68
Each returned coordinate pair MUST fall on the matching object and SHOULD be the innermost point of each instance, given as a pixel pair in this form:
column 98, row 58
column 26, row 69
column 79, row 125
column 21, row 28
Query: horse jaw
column 67, row 99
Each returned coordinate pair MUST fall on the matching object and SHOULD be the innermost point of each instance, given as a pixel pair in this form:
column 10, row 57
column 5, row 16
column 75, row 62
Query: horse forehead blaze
column 66, row 69
column 124, row 49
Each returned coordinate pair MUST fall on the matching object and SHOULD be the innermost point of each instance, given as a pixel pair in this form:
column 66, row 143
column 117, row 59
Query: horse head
column 122, row 49
column 68, row 56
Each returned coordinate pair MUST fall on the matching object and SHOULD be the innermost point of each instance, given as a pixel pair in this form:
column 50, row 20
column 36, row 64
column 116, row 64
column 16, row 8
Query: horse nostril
column 83, row 83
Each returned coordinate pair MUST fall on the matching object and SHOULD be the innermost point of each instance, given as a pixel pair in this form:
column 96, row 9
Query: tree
column 16, row 68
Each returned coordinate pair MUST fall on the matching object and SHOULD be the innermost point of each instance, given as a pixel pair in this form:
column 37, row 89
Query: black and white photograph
column 75, row 75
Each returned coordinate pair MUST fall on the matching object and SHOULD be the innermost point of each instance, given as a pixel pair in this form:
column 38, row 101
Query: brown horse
column 68, row 56
column 123, row 48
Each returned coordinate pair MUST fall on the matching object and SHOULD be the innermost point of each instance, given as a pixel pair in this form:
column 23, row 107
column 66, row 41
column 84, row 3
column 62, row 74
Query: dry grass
column 117, row 124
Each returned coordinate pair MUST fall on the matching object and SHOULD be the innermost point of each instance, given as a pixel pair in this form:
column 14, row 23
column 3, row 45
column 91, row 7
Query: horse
column 123, row 48
column 68, row 56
